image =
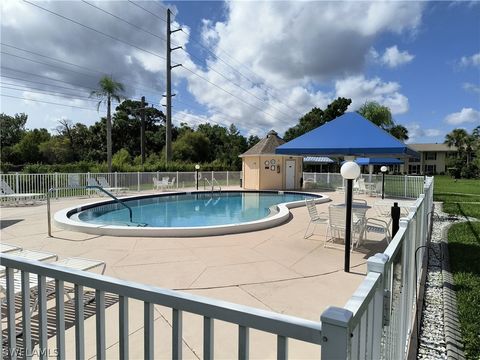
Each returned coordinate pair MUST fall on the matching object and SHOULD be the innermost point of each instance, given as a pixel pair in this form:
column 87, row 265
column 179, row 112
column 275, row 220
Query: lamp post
column 197, row 167
column 383, row 169
column 349, row 170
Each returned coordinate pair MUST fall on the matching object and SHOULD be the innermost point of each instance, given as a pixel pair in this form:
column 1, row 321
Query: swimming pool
column 185, row 214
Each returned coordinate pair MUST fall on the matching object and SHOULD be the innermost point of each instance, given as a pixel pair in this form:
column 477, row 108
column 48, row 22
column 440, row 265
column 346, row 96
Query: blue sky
column 277, row 59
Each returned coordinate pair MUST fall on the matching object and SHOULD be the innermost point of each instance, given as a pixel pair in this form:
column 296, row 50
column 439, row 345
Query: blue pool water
column 191, row 210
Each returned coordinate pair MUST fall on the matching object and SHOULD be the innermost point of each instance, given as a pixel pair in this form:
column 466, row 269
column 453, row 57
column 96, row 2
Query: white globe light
column 350, row 170
column 197, row 167
column 383, row 169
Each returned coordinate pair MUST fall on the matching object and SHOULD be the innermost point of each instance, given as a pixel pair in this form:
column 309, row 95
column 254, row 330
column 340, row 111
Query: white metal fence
column 406, row 186
column 128, row 181
column 376, row 323
column 378, row 320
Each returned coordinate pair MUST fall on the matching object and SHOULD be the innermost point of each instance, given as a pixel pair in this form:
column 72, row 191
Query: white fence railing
column 406, row 186
column 378, row 320
column 128, row 181
column 376, row 323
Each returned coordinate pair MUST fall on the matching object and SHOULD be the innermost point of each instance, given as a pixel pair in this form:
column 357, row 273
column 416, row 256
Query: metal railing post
column 56, row 185
column 377, row 264
column 138, row 181
column 177, row 179
column 227, row 177
column 116, row 179
column 17, row 183
column 48, row 215
column 336, row 333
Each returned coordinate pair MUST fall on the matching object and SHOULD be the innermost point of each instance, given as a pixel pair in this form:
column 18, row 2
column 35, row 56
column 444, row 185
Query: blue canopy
column 350, row 134
column 378, row 161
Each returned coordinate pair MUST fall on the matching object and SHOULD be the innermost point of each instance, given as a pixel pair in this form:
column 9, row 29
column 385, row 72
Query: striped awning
column 317, row 160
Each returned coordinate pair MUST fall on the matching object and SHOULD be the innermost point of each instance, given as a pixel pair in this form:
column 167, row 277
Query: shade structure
column 348, row 135
column 378, row 161
column 317, row 160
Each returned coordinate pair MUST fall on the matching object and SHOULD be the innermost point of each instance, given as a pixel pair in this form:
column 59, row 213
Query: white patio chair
column 171, row 184
column 6, row 248
column 106, row 186
column 72, row 263
column 378, row 226
column 7, row 193
column 160, row 185
column 362, row 189
column 336, row 224
column 315, row 217
column 30, row 255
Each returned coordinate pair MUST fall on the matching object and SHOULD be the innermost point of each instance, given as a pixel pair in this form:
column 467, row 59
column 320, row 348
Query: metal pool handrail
column 117, row 200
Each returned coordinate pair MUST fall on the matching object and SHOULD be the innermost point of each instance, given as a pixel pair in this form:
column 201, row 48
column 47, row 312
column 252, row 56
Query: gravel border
column 440, row 336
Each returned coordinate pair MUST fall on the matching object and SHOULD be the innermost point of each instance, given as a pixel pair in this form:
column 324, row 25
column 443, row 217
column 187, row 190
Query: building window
column 430, row 169
column 414, row 160
column 414, row 169
column 431, row 156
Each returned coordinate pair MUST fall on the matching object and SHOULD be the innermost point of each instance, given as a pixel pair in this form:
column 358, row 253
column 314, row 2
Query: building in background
column 433, row 159
column 262, row 169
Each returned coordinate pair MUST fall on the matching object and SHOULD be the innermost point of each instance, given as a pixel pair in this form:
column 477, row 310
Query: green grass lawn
column 445, row 184
column 464, row 249
column 462, row 197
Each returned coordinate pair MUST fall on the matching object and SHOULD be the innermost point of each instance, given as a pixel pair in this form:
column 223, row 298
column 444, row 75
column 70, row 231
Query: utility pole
column 142, row 131
column 168, row 125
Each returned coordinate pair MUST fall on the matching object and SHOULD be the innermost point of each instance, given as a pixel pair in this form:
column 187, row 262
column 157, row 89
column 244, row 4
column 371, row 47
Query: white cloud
column 473, row 60
column 392, row 57
column 466, row 115
column 415, row 131
column 360, row 90
column 471, row 88
column 295, row 49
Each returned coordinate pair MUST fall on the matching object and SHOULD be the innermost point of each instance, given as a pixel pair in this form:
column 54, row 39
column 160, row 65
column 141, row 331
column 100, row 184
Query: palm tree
column 108, row 90
column 399, row 131
column 457, row 138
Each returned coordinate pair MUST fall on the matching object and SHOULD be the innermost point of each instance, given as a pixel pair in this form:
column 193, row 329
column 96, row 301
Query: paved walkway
column 275, row 269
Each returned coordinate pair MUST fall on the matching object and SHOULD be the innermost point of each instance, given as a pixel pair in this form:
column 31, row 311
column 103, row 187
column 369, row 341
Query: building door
column 290, row 174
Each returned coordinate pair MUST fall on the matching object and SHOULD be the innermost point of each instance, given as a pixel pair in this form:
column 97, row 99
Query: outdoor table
column 384, row 206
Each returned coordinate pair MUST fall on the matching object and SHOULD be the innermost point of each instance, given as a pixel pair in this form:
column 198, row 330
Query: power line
column 95, row 30
column 148, row 11
column 51, row 58
column 43, row 63
column 47, row 102
column 238, row 71
column 228, row 92
column 219, row 73
column 41, row 76
column 239, row 86
column 52, row 65
column 53, row 85
column 32, row 89
column 39, row 82
column 125, row 21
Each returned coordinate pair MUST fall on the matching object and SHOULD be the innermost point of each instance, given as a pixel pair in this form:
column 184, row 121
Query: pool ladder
column 117, row 200
column 211, row 184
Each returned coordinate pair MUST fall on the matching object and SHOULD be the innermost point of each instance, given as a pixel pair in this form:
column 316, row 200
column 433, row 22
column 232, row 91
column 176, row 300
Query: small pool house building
column 262, row 169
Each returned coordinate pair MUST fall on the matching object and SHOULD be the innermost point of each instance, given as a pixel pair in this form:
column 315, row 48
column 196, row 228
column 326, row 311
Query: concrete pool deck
column 275, row 269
